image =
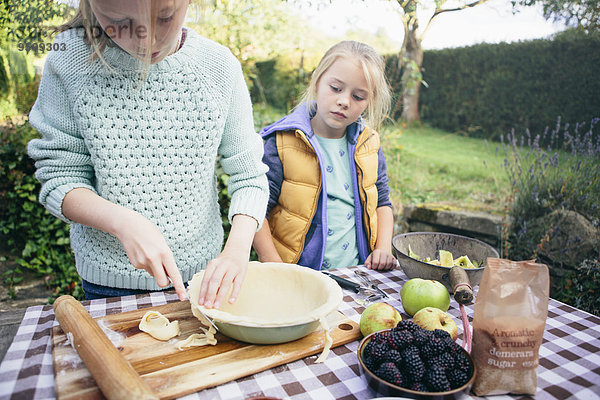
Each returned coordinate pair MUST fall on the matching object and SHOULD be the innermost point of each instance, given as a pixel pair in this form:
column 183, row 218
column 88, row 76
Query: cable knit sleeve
column 241, row 153
column 61, row 156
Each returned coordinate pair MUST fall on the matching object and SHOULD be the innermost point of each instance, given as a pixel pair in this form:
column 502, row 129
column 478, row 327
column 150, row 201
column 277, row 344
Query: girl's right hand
column 147, row 249
column 143, row 242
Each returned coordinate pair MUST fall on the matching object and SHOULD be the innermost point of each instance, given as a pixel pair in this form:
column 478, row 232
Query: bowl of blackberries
column 410, row 361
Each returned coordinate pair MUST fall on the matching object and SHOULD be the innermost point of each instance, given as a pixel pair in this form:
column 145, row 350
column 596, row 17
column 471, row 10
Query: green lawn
column 427, row 165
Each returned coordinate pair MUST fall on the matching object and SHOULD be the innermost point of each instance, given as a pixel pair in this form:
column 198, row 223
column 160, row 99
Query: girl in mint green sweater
column 134, row 111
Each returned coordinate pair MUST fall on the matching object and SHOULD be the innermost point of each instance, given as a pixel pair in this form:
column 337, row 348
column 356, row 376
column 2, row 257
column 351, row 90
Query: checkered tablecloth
column 569, row 356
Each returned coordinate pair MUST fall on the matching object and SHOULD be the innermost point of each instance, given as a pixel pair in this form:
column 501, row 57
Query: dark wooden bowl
column 389, row 389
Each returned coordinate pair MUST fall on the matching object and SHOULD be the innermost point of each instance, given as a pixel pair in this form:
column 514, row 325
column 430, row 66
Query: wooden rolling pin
column 115, row 377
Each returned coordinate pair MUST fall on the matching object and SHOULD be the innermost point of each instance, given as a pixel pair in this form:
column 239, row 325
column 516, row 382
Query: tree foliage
column 28, row 22
column 252, row 29
column 580, row 14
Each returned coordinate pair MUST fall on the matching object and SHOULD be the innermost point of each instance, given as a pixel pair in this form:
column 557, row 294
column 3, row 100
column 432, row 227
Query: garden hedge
column 487, row 89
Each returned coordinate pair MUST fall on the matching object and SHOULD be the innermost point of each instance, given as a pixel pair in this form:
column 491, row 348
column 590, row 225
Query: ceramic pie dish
column 277, row 303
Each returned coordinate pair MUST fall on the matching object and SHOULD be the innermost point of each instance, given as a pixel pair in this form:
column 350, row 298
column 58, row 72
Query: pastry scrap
column 328, row 342
column 199, row 339
column 158, row 326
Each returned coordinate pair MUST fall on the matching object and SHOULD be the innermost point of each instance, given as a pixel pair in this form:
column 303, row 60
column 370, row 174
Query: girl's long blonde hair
column 373, row 67
column 94, row 35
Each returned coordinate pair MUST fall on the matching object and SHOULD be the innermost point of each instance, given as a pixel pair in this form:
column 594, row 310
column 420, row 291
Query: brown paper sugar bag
column 509, row 319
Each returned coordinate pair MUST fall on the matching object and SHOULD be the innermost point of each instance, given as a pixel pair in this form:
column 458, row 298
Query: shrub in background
column 278, row 83
column 548, row 183
column 18, row 83
column 486, row 89
column 580, row 288
column 39, row 241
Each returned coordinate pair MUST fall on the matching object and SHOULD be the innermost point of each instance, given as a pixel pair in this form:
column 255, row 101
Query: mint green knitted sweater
column 150, row 145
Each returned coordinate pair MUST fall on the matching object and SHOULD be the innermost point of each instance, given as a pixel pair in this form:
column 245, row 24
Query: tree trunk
column 411, row 77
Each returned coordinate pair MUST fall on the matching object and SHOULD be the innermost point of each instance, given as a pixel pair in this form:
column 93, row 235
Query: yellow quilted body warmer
column 290, row 219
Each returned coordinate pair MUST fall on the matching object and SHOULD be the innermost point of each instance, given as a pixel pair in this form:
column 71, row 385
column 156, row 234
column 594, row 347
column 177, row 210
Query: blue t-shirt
column 341, row 249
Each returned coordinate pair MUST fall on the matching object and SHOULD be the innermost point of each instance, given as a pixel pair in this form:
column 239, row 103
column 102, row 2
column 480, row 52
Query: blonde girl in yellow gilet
column 329, row 201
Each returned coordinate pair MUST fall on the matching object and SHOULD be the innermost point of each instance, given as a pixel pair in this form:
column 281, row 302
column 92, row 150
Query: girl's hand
column 147, row 249
column 381, row 260
column 227, row 271
column 224, row 273
column 144, row 244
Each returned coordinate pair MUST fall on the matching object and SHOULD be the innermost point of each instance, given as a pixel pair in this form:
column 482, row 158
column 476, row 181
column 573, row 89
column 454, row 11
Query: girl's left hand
column 381, row 260
column 227, row 271
column 224, row 273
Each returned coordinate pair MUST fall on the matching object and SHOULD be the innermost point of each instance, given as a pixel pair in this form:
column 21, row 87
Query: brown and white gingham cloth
column 569, row 356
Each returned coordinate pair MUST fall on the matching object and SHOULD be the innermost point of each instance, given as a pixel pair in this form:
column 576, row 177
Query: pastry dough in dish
column 275, row 295
column 277, row 303
column 158, row 326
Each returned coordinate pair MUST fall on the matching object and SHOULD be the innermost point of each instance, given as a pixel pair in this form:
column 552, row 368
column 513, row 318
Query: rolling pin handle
column 461, row 285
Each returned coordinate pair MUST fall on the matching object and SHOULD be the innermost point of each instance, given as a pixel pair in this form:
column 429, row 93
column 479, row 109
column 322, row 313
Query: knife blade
column 208, row 319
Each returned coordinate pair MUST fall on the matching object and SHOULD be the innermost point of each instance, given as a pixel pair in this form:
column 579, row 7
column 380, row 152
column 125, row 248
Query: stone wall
column 576, row 240
column 431, row 218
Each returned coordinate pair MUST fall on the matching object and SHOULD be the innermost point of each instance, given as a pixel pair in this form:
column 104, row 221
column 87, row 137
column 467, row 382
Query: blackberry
column 444, row 361
column 405, row 325
column 380, row 337
column 413, row 366
column 442, row 334
column 371, row 348
column 434, row 346
column 454, row 348
column 427, row 352
column 395, row 357
column 401, row 339
column 390, row 373
column 447, row 361
column 419, row 387
column 457, row 378
column 374, row 354
column 461, row 362
column 436, row 381
column 410, row 350
column 420, row 338
column 370, row 364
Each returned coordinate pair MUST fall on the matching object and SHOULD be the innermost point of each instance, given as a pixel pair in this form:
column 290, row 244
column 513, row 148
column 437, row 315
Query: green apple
column 419, row 293
column 432, row 318
column 378, row 316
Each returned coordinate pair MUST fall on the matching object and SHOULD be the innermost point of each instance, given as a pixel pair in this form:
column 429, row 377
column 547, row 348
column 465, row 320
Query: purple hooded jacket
column 315, row 240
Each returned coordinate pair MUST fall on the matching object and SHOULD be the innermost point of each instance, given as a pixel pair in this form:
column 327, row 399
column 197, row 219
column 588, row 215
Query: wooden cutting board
column 171, row 372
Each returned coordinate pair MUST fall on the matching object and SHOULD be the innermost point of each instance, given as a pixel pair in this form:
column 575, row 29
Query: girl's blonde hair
column 373, row 67
column 94, row 35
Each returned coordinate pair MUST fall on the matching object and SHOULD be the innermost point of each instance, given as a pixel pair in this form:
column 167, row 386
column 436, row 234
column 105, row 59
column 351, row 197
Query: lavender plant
column 555, row 177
